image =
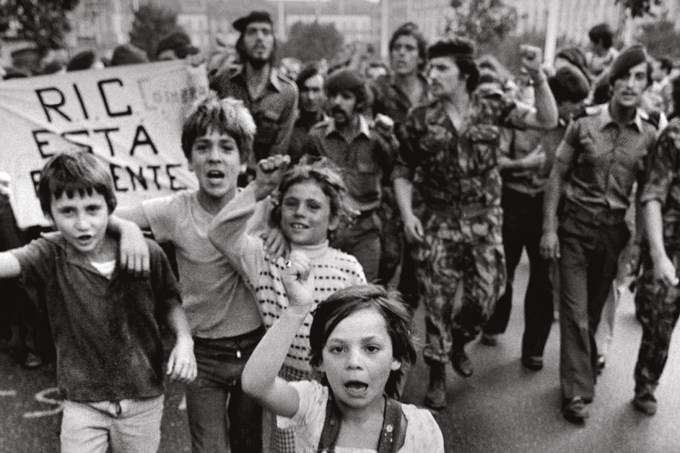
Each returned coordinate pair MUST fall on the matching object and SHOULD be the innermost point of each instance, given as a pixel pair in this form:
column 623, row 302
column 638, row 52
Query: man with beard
column 601, row 156
column 270, row 97
column 450, row 149
column 361, row 153
column 310, row 84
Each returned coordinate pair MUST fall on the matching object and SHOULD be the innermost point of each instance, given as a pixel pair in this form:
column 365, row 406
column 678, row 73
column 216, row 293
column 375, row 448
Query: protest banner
column 131, row 117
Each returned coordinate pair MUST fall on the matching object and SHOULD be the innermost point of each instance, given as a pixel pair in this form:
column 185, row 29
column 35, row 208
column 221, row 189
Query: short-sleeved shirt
column 663, row 182
column 209, row 283
column 105, row 331
column 274, row 111
column 605, row 158
column 362, row 161
column 455, row 170
column 390, row 100
column 422, row 432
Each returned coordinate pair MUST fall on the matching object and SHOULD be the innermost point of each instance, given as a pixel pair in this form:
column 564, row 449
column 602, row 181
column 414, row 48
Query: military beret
column 344, row 80
column 569, row 84
column 452, row 47
column 241, row 23
column 632, row 56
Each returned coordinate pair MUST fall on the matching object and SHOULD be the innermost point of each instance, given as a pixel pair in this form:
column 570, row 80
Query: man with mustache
column 362, row 153
column 270, row 97
column 601, row 156
column 449, row 150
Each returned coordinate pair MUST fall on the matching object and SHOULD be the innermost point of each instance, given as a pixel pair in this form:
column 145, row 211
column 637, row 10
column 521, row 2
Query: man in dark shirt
column 310, row 85
column 270, row 97
column 525, row 170
column 600, row 158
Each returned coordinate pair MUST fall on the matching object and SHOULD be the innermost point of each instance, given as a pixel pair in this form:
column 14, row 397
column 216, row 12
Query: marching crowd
column 331, row 202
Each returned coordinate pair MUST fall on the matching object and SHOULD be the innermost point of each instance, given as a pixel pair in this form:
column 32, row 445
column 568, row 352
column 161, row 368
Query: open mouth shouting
column 215, row 176
column 356, row 389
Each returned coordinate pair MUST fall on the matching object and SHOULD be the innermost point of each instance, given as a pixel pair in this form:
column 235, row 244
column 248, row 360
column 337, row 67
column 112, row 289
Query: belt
column 609, row 218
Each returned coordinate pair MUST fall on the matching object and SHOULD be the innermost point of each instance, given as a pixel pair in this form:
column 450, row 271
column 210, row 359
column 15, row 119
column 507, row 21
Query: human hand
column 550, row 246
column 531, row 59
column 413, row 229
column 133, row 249
column 268, row 174
column 275, row 243
column 182, row 363
column 298, row 281
column 665, row 271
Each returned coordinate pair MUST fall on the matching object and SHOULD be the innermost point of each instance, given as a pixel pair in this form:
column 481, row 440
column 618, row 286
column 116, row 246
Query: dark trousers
column 211, row 420
column 522, row 228
column 362, row 240
column 588, row 264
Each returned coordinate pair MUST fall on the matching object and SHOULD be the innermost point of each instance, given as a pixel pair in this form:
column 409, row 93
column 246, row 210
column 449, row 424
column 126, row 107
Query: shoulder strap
column 392, row 435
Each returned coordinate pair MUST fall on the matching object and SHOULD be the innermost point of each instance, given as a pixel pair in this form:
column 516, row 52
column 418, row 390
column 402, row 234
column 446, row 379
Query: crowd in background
column 451, row 167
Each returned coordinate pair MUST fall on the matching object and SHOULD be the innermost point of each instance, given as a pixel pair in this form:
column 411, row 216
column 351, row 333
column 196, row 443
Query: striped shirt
column 332, row 269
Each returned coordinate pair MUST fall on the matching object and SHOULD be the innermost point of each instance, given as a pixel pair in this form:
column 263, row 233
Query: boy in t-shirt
column 225, row 321
column 104, row 321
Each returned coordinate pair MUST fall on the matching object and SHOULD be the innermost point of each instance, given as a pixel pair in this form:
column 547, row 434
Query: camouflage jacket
column 390, row 100
column 663, row 182
column 457, row 170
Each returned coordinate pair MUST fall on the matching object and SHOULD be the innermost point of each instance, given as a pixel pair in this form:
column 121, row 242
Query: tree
column 312, row 41
column 639, row 8
column 42, row 22
column 484, row 21
column 152, row 21
column 661, row 39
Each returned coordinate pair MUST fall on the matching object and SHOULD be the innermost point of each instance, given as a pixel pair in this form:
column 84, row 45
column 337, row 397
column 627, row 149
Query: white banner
column 130, row 116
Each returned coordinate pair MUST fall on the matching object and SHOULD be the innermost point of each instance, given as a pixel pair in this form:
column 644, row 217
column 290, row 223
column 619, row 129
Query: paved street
column 502, row 408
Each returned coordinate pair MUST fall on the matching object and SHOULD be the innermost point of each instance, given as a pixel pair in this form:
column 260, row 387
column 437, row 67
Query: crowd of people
column 331, row 202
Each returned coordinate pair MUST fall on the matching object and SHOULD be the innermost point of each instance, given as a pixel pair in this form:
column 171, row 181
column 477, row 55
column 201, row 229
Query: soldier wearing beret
column 601, row 156
column 270, row 97
column 450, row 149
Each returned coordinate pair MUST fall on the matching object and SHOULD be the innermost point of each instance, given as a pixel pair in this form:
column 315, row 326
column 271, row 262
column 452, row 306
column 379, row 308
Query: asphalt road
column 501, row 408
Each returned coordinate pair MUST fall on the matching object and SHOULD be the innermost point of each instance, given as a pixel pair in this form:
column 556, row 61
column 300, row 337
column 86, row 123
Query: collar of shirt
column 363, row 128
column 240, row 76
column 606, row 118
column 392, row 79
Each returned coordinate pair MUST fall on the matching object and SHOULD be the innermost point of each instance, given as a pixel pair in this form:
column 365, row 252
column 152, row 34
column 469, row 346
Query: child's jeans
column 128, row 426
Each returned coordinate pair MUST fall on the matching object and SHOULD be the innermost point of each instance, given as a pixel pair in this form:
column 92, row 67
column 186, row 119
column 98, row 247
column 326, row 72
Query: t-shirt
column 331, row 269
column 422, row 432
column 209, row 283
column 105, row 331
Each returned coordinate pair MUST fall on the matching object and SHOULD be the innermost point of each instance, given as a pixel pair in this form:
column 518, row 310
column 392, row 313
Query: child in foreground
column 104, row 321
column 311, row 203
column 360, row 339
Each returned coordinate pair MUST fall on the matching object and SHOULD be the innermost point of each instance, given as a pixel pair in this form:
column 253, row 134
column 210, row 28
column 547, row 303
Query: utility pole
column 281, row 19
column 551, row 32
column 384, row 25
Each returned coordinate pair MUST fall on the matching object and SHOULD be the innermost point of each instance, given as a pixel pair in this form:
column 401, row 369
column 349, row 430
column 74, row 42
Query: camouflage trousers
column 657, row 308
column 458, row 254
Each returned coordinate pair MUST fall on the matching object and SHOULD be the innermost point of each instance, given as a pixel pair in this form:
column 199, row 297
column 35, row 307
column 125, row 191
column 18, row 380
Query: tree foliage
column 639, row 8
column 661, row 39
column 42, row 22
column 312, row 41
column 484, row 21
column 152, row 21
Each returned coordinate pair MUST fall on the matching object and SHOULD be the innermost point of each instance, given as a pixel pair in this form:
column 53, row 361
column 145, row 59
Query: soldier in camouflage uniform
column 450, row 151
column 658, row 297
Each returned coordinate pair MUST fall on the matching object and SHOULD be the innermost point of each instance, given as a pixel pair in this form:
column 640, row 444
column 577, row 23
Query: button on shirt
column 663, row 182
column 361, row 160
column 274, row 111
column 605, row 158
